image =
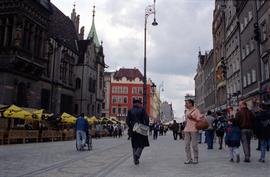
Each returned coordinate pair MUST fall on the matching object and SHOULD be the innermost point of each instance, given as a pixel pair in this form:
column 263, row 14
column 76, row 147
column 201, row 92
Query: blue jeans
column 264, row 143
column 80, row 137
column 209, row 134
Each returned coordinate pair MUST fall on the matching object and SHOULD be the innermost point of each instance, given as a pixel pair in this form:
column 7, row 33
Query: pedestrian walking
column 262, row 129
column 156, row 130
column 175, row 128
column 232, row 140
column 245, row 119
column 138, row 116
column 81, row 129
column 193, row 115
column 209, row 133
column 219, row 125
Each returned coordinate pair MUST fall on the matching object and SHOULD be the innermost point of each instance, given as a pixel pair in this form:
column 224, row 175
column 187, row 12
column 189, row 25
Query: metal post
column 144, row 66
column 148, row 11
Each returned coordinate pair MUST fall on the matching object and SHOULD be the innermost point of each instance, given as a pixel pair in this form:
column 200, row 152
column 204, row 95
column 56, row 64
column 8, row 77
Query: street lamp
column 151, row 9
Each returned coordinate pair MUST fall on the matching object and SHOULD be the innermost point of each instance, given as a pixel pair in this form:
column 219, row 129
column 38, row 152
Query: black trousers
column 137, row 152
column 175, row 135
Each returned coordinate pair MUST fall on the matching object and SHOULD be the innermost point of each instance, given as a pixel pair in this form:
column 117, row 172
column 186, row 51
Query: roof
column 45, row 3
column 130, row 74
column 62, row 29
column 93, row 34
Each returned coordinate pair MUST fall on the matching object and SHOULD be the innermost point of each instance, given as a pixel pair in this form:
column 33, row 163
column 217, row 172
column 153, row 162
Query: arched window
column 78, row 83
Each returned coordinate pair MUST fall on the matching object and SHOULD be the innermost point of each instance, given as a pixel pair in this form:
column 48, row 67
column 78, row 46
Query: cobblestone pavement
column 112, row 158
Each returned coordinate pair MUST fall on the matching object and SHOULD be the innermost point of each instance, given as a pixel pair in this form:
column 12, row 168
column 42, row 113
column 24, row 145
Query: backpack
column 219, row 124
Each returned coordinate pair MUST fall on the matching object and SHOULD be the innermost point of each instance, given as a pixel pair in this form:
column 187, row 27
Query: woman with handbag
column 193, row 116
column 138, row 122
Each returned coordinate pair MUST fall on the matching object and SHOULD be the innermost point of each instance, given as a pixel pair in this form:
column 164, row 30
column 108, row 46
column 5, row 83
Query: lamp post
column 151, row 9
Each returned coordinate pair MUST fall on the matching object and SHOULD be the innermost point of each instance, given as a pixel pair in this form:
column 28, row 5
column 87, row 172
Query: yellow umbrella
column 37, row 114
column 67, row 118
column 90, row 122
column 17, row 112
column 93, row 118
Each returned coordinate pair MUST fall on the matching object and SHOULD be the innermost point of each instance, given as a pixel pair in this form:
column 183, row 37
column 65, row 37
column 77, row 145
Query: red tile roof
column 130, row 74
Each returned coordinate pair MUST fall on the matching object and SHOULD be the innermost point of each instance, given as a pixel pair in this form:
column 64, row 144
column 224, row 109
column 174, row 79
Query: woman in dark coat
column 137, row 115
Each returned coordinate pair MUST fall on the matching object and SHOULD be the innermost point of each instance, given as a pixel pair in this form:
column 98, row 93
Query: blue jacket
column 81, row 124
column 233, row 135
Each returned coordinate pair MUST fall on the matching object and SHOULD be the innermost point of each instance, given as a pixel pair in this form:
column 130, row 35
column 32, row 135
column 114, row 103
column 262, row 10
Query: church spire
column 93, row 34
column 75, row 18
column 73, row 13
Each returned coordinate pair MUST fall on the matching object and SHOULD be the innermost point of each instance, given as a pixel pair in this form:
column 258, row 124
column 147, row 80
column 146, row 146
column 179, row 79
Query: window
column 244, row 81
column 119, row 110
column 243, row 53
column 114, row 99
column 253, row 75
column 125, row 90
column 78, row 83
column 114, row 90
column 125, row 110
column 134, row 90
column 266, row 71
column 245, row 21
column 125, row 100
column 247, row 49
column 248, row 79
column 249, row 15
column 251, row 45
column 76, row 109
column 113, row 110
column 264, row 32
column 119, row 99
column 119, row 90
column 140, row 90
column 241, row 27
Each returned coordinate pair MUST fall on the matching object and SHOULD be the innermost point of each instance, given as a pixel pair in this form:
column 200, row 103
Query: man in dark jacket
column 137, row 115
column 262, row 129
column 175, row 128
column 245, row 119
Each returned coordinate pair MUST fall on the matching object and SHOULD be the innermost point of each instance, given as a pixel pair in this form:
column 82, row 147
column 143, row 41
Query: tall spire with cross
column 93, row 34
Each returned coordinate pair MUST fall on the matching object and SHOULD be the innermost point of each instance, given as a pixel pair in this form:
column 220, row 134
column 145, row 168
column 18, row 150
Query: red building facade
column 127, row 85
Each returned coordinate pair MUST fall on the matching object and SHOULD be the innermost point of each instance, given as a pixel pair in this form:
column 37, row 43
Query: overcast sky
column 172, row 46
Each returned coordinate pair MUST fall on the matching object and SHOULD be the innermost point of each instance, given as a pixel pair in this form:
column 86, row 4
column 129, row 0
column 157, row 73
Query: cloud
column 172, row 46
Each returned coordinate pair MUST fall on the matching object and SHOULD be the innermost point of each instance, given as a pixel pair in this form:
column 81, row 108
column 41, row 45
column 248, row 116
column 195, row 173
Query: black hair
column 209, row 112
column 191, row 101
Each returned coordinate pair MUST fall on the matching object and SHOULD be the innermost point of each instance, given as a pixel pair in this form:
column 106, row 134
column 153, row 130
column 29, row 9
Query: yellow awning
column 67, row 118
column 37, row 114
column 17, row 112
column 94, row 119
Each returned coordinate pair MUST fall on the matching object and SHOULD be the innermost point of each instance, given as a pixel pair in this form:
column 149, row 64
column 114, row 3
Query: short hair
column 137, row 101
column 191, row 101
column 209, row 112
column 82, row 114
column 244, row 103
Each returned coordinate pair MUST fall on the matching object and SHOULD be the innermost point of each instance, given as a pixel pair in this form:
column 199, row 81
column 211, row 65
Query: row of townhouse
column 237, row 68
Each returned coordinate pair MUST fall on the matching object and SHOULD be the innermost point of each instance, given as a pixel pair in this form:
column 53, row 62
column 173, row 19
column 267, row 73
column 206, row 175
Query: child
column 232, row 140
